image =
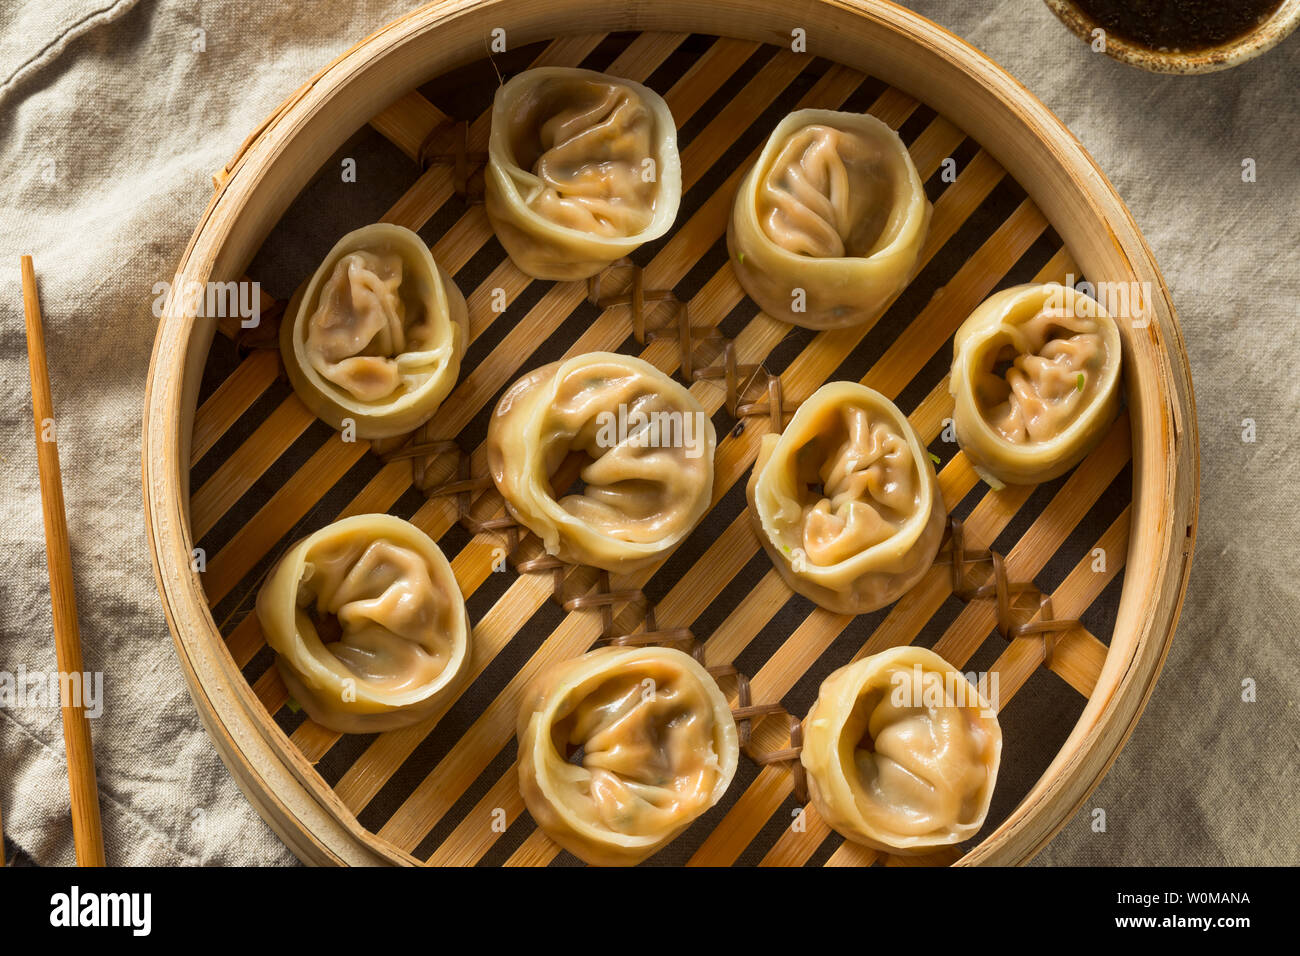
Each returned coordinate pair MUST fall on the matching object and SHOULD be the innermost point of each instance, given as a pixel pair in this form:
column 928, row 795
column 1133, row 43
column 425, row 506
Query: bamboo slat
column 442, row 795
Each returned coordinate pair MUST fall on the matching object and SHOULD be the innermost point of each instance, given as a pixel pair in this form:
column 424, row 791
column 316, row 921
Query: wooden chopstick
column 87, row 833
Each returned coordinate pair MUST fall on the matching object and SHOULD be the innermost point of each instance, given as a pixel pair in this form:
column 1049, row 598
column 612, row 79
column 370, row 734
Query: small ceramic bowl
column 1276, row 28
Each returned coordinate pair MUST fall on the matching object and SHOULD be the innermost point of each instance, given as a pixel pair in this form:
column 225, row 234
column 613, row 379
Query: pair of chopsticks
column 87, row 833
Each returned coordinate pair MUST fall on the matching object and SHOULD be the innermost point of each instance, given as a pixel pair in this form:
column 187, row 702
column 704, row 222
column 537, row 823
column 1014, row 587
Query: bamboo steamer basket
column 1012, row 142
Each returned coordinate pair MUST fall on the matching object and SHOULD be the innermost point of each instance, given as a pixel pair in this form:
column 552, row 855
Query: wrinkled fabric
column 1206, row 778
column 111, row 126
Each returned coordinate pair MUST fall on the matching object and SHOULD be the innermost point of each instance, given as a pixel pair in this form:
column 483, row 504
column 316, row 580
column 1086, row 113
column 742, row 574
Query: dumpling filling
column 590, row 144
column 1035, row 382
column 378, row 601
column 829, row 224
column 366, row 319
column 827, row 195
column 860, row 485
column 622, row 748
column 902, row 751
column 367, row 622
column 604, row 457
column 1045, row 372
column 845, row 501
column 646, row 747
column 919, row 768
column 636, row 476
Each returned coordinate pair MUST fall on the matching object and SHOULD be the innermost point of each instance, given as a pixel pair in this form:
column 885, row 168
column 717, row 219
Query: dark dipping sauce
column 1178, row 24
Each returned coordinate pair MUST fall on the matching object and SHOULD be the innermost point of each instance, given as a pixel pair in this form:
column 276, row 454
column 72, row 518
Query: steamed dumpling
column 845, row 500
column 377, row 335
column 621, row 749
column 1035, row 377
column 368, row 623
column 582, row 169
column 902, row 752
column 829, row 223
column 643, row 449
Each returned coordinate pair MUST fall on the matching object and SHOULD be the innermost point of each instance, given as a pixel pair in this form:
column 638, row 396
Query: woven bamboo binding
column 433, row 820
column 697, row 347
column 737, row 380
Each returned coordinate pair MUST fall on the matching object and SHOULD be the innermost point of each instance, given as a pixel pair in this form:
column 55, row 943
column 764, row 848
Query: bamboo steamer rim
column 881, row 39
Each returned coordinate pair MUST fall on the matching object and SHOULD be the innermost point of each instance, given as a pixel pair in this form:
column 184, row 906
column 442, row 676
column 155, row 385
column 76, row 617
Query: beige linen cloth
column 111, row 125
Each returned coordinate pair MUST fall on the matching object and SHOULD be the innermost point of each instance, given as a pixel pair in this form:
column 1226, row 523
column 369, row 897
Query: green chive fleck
column 1078, row 382
column 935, row 458
column 740, row 257
column 293, row 705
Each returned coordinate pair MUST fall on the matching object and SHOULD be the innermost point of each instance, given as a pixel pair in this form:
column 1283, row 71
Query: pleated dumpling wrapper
column 377, row 336
column 845, row 500
column 621, row 749
column 828, row 224
column 902, row 752
column 605, row 458
column 1035, row 378
column 582, row 169
column 368, row 623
